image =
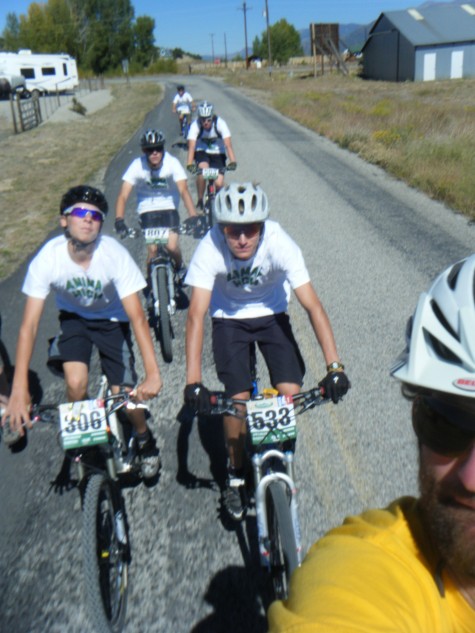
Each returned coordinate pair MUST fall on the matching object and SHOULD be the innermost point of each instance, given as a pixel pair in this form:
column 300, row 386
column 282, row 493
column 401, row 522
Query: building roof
column 425, row 26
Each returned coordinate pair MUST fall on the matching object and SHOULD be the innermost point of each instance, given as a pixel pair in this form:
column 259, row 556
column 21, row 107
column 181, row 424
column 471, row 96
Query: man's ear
column 63, row 222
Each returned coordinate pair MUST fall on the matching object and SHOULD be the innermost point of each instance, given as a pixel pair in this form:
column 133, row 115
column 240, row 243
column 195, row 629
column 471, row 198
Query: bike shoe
column 180, row 274
column 234, row 498
column 149, row 458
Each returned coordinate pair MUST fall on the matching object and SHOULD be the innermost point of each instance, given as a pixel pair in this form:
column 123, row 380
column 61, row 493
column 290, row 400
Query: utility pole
column 225, row 52
column 269, row 52
column 212, row 47
column 244, row 10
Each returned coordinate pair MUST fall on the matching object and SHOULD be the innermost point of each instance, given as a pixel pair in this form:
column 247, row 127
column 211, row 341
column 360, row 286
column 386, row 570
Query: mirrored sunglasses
column 80, row 212
column 438, row 426
column 234, row 231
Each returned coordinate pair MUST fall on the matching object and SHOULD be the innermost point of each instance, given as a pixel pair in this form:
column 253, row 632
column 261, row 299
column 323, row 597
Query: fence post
column 15, row 127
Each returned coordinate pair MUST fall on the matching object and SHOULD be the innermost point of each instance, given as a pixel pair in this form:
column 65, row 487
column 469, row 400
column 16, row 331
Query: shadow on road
column 234, row 595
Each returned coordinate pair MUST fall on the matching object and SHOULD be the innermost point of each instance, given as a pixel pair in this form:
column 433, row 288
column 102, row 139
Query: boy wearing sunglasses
column 242, row 272
column 97, row 284
column 411, row 566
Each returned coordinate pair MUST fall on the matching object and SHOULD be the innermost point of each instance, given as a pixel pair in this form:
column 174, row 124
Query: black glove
column 231, row 166
column 120, row 227
column 197, row 398
column 192, row 168
column 335, row 385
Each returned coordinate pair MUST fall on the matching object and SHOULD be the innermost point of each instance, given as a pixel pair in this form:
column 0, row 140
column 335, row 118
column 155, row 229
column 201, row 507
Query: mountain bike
column 210, row 174
column 163, row 282
column 99, row 441
column 271, row 439
column 185, row 123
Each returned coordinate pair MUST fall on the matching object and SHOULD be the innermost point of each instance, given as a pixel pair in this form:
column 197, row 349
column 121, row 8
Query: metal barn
column 437, row 42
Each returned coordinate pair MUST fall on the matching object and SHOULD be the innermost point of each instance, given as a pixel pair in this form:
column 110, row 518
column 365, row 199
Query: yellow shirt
column 371, row 576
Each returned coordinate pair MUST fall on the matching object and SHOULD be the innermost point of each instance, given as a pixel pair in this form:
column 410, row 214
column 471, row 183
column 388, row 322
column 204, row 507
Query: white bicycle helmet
column 205, row 109
column 241, row 204
column 440, row 352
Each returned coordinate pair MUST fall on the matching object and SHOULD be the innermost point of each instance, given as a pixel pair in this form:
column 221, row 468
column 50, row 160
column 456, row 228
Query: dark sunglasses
column 234, row 231
column 437, row 426
column 80, row 212
column 151, row 150
column 206, row 120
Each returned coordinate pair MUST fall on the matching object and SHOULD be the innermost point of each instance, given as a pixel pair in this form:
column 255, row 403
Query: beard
column 450, row 525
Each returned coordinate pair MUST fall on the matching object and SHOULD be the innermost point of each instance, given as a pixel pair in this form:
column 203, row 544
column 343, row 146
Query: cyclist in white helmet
column 242, row 272
column 411, row 566
column 209, row 144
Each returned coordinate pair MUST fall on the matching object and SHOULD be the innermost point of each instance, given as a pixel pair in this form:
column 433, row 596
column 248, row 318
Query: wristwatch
column 335, row 366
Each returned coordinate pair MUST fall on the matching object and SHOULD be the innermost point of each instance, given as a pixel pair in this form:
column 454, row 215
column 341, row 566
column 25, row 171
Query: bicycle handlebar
column 303, row 401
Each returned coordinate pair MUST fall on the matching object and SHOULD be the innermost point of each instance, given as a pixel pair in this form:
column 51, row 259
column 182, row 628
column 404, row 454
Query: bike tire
column 106, row 555
column 165, row 326
column 283, row 557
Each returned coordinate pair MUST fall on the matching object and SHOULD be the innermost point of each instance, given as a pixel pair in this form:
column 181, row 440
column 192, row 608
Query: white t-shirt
column 252, row 288
column 94, row 293
column 155, row 188
column 183, row 102
column 209, row 140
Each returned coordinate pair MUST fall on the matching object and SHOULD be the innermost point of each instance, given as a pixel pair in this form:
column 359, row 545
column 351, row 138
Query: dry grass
column 421, row 133
column 38, row 166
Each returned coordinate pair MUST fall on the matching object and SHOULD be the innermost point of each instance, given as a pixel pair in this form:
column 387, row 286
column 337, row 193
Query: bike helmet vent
column 205, row 109
column 152, row 139
column 241, row 204
column 440, row 351
column 83, row 193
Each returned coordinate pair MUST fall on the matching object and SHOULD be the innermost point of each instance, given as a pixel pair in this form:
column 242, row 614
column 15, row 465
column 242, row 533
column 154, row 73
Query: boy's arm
column 199, row 303
column 309, row 300
column 18, row 405
column 152, row 383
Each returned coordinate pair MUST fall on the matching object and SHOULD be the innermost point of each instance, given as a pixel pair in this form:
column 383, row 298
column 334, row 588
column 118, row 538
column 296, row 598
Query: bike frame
column 163, row 260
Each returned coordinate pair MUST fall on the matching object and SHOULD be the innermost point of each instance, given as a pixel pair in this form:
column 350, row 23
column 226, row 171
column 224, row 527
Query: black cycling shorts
column 272, row 334
column 218, row 161
column 168, row 218
column 78, row 336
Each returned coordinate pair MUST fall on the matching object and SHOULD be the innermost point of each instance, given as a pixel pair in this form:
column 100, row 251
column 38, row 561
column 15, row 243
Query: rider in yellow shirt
column 411, row 567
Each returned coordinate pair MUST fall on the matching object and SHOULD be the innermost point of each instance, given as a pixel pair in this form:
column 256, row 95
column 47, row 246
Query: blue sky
column 202, row 26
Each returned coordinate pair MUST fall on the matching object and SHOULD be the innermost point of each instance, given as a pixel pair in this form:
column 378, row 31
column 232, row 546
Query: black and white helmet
column 440, row 352
column 83, row 193
column 152, row 139
column 241, row 203
column 205, row 110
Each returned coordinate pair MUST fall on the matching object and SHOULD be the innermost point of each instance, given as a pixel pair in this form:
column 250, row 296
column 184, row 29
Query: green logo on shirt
column 157, row 183
column 88, row 288
column 245, row 276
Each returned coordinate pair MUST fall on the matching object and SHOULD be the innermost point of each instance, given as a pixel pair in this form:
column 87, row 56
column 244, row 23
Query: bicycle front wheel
column 106, row 555
column 283, row 548
column 165, row 326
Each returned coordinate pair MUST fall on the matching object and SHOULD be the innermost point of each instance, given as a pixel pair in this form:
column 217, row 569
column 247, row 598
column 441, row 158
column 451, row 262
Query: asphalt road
column 371, row 245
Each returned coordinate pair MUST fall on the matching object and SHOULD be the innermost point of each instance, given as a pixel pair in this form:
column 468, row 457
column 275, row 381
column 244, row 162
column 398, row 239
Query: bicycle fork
column 261, row 484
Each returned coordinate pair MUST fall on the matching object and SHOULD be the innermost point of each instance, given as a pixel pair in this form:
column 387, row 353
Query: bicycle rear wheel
column 165, row 326
column 283, row 549
column 106, row 555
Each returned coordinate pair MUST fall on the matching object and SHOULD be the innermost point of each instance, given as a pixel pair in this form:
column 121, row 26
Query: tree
column 144, row 40
column 284, row 40
column 11, row 33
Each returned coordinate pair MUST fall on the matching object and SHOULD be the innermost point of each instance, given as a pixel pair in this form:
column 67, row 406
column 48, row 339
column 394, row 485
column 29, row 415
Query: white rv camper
column 43, row 72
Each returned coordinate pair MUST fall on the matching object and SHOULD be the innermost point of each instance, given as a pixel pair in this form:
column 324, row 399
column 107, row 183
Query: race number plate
column 210, row 173
column 156, row 235
column 83, row 424
column 271, row 420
